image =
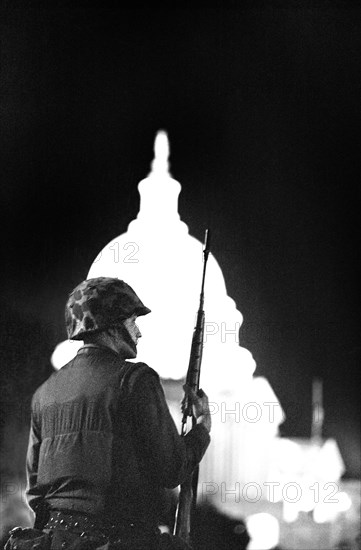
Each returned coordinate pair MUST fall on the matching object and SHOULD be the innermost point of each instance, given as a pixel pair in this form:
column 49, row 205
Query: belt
column 83, row 525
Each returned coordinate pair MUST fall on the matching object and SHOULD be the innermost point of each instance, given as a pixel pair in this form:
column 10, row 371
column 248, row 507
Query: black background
column 261, row 104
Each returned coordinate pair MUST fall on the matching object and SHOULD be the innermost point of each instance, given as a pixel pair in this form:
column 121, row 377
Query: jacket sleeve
column 33, row 494
column 168, row 456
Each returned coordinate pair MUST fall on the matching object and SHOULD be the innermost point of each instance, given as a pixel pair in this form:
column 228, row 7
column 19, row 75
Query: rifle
column 188, row 489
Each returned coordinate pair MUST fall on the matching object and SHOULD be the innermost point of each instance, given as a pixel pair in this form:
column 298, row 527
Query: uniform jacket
column 103, row 442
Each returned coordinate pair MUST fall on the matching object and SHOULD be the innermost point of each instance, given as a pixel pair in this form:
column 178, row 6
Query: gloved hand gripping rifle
column 188, row 490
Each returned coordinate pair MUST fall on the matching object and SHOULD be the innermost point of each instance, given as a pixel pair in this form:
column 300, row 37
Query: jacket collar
column 92, row 348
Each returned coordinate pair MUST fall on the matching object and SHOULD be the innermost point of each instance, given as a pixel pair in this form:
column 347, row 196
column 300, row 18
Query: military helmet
column 98, row 304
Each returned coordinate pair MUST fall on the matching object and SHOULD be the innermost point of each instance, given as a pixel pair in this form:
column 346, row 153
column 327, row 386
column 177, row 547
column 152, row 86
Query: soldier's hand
column 200, row 406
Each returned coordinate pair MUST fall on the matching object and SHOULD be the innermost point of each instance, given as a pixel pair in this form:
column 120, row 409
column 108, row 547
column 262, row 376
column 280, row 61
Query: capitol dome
column 163, row 263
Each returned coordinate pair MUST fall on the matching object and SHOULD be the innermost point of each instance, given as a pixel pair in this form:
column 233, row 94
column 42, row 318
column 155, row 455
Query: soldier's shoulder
column 135, row 372
column 143, row 368
column 140, row 370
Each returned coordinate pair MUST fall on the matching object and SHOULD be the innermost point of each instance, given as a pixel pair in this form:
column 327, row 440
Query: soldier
column 103, row 446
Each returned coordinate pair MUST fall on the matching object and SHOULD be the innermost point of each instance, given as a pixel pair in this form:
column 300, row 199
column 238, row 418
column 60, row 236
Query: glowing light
column 264, row 531
column 345, row 501
column 330, row 465
column 327, row 511
column 323, row 513
column 64, row 352
column 290, row 512
column 315, row 467
column 160, row 163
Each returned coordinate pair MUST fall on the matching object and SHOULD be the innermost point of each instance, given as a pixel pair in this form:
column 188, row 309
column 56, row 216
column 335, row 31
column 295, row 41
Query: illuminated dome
column 163, row 264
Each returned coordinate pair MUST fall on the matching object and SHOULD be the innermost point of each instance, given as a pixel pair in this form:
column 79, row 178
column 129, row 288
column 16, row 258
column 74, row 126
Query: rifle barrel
column 188, row 491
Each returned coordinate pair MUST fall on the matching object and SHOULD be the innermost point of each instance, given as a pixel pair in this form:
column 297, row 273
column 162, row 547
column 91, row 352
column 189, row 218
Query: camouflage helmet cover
column 98, row 304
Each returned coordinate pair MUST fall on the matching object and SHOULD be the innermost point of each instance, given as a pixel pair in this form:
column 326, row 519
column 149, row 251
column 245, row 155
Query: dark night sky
column 262, row 107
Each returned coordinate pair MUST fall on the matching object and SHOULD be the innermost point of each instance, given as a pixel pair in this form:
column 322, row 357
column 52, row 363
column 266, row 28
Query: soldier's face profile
column 132, row 328
column 121, row 345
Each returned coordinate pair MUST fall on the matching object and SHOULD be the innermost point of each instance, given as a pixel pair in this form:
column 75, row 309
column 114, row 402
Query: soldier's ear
column 113, row 331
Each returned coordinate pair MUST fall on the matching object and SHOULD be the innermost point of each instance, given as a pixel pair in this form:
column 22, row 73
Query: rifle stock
column 184, row 509
column 188, row 489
